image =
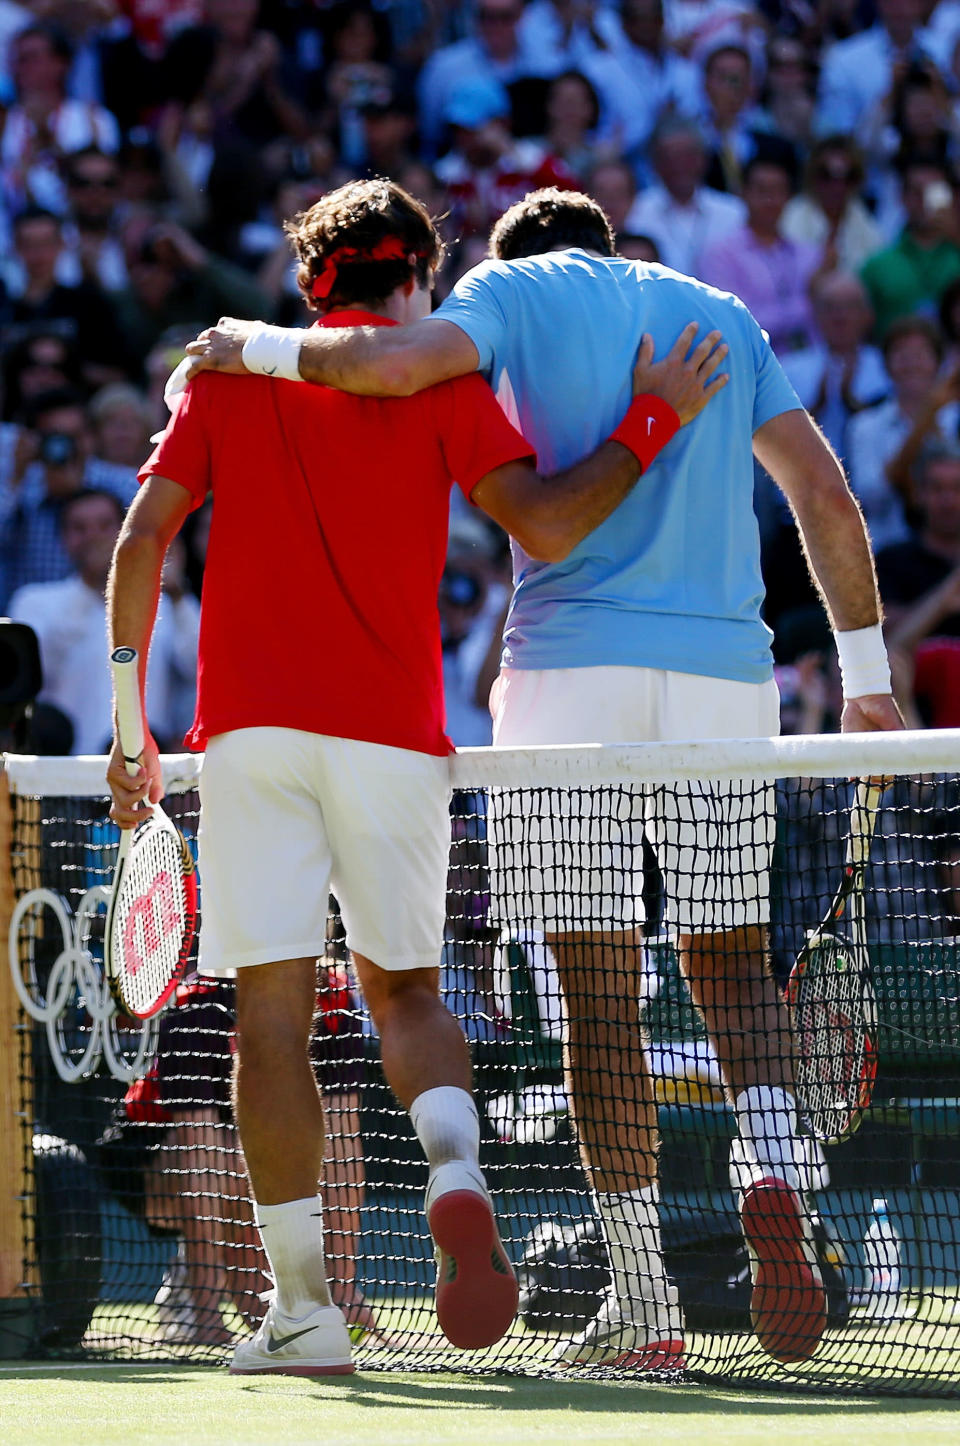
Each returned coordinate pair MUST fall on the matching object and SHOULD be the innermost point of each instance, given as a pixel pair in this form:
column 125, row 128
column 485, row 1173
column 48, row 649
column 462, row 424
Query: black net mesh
column 138, row 1228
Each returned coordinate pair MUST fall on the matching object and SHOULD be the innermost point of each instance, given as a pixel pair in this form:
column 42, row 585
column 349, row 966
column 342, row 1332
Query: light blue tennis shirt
column 672, row 578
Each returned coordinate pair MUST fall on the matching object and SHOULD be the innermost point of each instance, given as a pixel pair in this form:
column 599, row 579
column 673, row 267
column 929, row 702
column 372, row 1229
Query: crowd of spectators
column 798, row 152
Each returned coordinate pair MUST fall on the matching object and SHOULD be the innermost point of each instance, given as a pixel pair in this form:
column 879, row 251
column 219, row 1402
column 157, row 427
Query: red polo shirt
column 327, row 545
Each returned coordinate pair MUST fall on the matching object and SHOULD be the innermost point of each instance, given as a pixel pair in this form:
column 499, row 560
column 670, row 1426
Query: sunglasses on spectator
column 92, row 183
column 497, row 17
column 836, row 173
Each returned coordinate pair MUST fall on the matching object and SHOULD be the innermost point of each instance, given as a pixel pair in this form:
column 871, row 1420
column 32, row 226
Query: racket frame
column 130, row 731
column 847, row 905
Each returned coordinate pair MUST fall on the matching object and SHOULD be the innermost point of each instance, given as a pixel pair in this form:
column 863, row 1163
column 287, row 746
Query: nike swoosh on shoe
column 277, row 1343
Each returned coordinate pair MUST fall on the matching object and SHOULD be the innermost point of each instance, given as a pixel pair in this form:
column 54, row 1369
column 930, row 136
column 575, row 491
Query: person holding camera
column 50, row 460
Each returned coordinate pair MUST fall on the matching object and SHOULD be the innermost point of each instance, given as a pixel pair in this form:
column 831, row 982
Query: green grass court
column 168, row 1405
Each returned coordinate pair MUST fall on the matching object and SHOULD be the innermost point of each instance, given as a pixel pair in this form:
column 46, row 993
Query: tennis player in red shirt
column 320, row 707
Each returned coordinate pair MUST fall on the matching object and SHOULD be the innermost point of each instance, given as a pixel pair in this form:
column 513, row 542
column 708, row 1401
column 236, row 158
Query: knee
column 389, row 994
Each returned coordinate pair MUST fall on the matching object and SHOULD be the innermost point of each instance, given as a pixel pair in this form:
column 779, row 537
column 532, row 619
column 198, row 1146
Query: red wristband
column 647, row 428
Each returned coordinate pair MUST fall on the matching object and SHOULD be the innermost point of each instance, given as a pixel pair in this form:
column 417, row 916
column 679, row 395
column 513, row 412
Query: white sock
column 631, row 1223
column 445, row 1119
column 767, row 1118
column 292, row 1235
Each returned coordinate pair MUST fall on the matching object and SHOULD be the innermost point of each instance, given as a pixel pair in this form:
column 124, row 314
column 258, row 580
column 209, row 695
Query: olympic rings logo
column 72, row 998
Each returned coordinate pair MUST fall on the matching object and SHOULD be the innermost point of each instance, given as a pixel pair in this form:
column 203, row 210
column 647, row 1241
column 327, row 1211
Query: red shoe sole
column 477, row 1291
column 663, row 1356
column 293, row 1370
column 788, row 1303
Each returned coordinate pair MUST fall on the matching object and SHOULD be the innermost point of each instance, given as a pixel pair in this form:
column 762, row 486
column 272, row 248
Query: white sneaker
column 788, row 1303
column 317, row 1344
column 646, row 1335
column 176, row 1315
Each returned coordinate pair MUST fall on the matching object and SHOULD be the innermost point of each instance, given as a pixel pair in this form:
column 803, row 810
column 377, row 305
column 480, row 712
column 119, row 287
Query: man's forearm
column 133, row 595
column 385, row 361
column 554, row 514
column 838, row 552
column 549, row 516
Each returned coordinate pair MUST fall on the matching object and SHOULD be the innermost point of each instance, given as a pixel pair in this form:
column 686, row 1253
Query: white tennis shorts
column 572, row 861
column 287, row 816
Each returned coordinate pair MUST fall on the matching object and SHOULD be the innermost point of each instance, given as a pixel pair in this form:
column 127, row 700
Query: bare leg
column 421, row 1044
column 427, row 1064
column 608, row 1082
column 185, row 1189
column 278, row 1107
column 344, row 1181
column 744, row 1013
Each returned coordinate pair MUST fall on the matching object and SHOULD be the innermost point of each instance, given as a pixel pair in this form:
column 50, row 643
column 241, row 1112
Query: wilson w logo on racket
column 831, row 997
column 153, row 905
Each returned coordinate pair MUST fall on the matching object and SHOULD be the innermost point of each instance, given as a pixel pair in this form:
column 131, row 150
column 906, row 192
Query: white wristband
column 273, row 351
column 863, row 661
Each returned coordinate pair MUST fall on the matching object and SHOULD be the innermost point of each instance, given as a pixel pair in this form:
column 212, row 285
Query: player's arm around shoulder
column 375, row 361
column 794, row 451
column 133, row 590
column 549, row 516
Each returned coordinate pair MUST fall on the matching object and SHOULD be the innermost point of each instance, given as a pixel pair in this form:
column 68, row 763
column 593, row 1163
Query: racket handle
column 126, row 686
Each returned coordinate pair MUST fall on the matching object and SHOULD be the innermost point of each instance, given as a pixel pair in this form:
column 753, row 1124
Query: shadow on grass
column 441, row 1391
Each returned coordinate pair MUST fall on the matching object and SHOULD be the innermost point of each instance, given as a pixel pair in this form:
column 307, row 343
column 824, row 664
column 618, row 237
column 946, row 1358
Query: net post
column 16, row 1307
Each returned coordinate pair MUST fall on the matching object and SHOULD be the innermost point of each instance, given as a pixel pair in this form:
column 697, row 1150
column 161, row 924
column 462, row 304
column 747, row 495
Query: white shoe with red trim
column 642, row 1335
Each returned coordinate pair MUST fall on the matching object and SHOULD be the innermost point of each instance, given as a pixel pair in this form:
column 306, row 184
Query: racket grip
column 126, row 685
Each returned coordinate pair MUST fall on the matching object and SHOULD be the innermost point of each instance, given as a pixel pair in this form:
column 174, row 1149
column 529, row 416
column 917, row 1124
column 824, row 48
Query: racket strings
column 150, row 916
column 832, row 1026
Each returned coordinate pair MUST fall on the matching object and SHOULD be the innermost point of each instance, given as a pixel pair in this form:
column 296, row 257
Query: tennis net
column 128, row 1231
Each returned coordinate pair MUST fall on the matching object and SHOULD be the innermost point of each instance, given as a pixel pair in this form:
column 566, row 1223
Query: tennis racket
column 153, row 905
column 831, row 997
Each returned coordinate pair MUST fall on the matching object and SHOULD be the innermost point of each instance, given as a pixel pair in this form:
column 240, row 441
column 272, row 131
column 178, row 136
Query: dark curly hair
column 548, row 219
column 334, row 239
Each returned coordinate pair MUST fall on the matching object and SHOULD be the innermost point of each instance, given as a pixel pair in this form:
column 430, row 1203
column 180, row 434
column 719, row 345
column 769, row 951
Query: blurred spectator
column 830, row 212
column 173, row 281
column 920, row 577
column 840, row 373
column 236, row 71
column 862, row 69
column 69, row 618
column 613, row 186
column 656, row 79
column 788, row 96
column 771, row 274
column 91, row 242
column 81, row 311
column 50, row 458
column 36, row 359
column 498, row 51
column 572, row 117
column 912, row 353
column 682, row 215
column 728, row 115
column 913, row 273
column 389, row 124
column 122, row 422
column 356, row 76
column 638, row 248
column 486, row 170
column 44, row 124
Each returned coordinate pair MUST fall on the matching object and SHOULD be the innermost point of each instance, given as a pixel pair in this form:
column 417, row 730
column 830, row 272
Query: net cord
column 584, row 766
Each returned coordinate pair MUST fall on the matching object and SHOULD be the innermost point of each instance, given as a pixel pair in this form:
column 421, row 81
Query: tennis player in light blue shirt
column 648, row 629
column 672, row 578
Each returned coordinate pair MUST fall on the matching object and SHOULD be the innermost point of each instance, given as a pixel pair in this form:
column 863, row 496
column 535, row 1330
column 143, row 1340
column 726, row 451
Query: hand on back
column 686, row 377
